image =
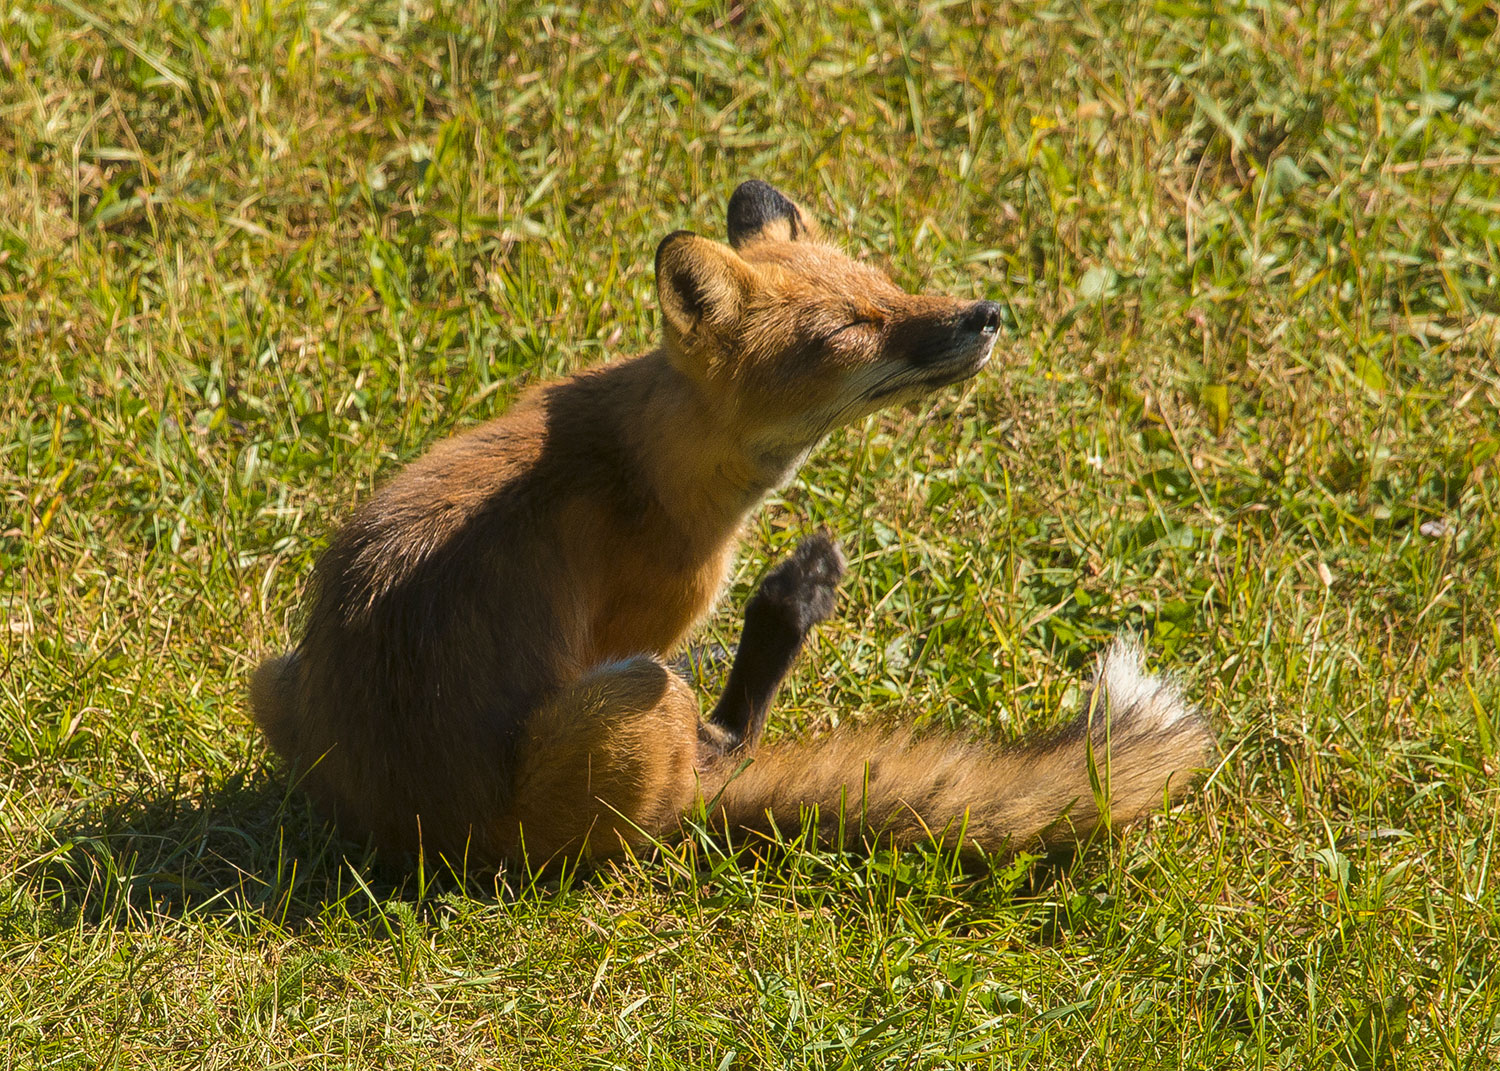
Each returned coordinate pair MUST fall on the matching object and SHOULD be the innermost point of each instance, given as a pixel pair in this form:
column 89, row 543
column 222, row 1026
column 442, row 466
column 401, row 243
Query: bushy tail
column 1147, row 746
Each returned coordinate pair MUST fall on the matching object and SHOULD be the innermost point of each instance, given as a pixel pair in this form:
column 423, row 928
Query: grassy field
column 255, row 256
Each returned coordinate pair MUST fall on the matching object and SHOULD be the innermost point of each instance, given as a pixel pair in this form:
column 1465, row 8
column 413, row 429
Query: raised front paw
column 804, row 588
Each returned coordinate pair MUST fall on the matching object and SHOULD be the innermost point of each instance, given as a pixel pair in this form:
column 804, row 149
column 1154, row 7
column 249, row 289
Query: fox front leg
column 798, row 593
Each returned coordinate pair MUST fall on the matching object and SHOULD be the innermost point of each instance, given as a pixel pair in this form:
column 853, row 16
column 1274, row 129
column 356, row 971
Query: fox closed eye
column 863, row 325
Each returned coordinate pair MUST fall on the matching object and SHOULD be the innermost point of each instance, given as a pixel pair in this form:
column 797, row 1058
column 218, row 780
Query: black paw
column 803, row 589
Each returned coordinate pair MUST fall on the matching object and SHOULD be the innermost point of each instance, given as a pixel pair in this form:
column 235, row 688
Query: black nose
column 983, row 317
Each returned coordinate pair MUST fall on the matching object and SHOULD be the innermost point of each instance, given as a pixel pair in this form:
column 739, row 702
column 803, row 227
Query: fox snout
column 949, row 347
column 981, row 322
column 977, row 328
column 983, row 317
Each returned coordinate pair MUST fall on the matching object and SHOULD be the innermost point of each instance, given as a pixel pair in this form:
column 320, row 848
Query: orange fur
column 1143, row 740
column 481, row 676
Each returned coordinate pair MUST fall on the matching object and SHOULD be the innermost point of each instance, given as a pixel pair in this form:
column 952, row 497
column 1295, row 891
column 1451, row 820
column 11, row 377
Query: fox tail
column 1136, row 745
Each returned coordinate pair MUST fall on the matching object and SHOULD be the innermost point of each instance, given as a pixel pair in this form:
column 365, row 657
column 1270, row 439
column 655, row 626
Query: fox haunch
column 482, row 672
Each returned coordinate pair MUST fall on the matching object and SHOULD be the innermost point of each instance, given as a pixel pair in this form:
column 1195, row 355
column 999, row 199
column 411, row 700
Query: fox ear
column 759, row 210
column 701, row 285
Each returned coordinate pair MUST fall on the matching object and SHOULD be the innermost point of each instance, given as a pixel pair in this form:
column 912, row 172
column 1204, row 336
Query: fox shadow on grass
column 251, row 845
column 255, row 846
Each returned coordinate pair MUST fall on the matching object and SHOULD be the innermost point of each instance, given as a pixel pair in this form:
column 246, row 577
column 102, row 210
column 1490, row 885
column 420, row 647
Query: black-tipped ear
column 759, row 210
column 701, row 284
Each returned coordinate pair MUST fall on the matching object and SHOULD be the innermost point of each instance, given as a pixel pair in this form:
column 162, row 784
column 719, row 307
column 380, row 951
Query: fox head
column 788, row 338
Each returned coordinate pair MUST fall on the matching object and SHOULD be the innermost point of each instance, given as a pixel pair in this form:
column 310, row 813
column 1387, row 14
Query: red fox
column 482, row 675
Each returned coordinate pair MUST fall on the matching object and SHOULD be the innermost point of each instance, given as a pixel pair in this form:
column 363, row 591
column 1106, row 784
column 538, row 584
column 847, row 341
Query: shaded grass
column 253, row 258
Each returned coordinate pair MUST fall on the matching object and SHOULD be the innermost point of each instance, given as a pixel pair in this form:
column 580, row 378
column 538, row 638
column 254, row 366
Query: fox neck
column 705, row 471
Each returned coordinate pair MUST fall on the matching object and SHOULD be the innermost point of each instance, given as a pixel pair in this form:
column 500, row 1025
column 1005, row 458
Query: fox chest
column 648, row 607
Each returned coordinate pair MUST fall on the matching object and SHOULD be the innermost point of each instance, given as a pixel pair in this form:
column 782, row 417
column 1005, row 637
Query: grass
column 254, row 256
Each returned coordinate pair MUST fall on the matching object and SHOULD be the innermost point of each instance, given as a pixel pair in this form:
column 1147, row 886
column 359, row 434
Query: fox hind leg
column 606, row 764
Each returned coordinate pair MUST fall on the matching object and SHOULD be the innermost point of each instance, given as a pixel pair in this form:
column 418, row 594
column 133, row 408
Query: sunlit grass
column 254, row 257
